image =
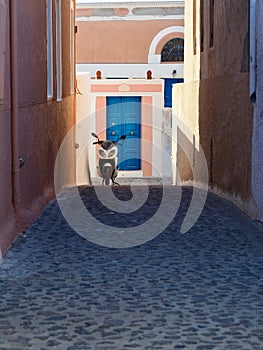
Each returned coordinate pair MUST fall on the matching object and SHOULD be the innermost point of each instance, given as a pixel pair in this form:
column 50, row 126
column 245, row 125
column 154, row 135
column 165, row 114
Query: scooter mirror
column 94, row 135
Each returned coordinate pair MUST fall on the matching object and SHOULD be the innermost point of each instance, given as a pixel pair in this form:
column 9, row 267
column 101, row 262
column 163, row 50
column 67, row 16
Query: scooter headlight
column 102, row 153
column 112, row 153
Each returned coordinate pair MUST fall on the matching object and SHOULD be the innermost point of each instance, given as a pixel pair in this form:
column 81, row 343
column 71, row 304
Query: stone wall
column 257, row 139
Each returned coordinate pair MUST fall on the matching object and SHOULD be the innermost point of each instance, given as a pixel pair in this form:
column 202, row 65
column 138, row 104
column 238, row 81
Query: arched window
column 173, row 50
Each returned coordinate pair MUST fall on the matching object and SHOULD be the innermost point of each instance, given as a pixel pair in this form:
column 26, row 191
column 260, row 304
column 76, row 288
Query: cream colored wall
column 185, row 126
column 186, row 104
column 191, row 60
column 186, row 96
column 83, row 124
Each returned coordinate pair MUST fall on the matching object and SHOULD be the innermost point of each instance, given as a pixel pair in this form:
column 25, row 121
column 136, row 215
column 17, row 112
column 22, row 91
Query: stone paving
column 199, row 290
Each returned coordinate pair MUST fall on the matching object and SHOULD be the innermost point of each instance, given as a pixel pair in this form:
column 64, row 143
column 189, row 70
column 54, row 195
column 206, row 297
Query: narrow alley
column 196, row 291
column 164, row 98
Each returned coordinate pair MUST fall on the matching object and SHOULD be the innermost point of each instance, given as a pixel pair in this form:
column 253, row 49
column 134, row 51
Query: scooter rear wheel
column 107, row 182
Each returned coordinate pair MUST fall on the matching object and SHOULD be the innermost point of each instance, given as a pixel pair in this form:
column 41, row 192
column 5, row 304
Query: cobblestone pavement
column 199, row 290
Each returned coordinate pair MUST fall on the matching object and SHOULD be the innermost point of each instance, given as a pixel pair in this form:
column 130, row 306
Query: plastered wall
column 219, row 111
column 42, row 123
column 118, row 41
column 226, row 114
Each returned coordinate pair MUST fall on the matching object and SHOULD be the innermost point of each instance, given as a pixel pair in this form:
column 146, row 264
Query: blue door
column 124, row 118
column 168, row 87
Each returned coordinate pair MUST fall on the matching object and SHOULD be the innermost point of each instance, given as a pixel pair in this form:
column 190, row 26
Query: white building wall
column 83, row 120
column 134, row 70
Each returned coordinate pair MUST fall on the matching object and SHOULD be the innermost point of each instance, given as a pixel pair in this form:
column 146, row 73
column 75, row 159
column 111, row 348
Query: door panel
column 124, row 118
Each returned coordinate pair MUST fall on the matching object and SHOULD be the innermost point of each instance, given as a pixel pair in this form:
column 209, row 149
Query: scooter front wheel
column 105, row 182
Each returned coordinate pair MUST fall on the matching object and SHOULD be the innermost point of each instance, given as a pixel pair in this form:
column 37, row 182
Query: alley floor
column 198, row 290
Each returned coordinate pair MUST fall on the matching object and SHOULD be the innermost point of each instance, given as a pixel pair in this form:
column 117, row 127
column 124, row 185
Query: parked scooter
column 108, row 161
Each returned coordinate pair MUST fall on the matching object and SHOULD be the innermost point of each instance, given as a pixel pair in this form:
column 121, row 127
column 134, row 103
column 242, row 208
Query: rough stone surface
column 200, row 290
column 257, row 139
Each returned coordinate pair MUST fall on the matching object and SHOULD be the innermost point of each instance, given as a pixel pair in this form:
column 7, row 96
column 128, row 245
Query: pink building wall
column 42, row 123
column 147, row 134
column 125, row 39
column 129, row 40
